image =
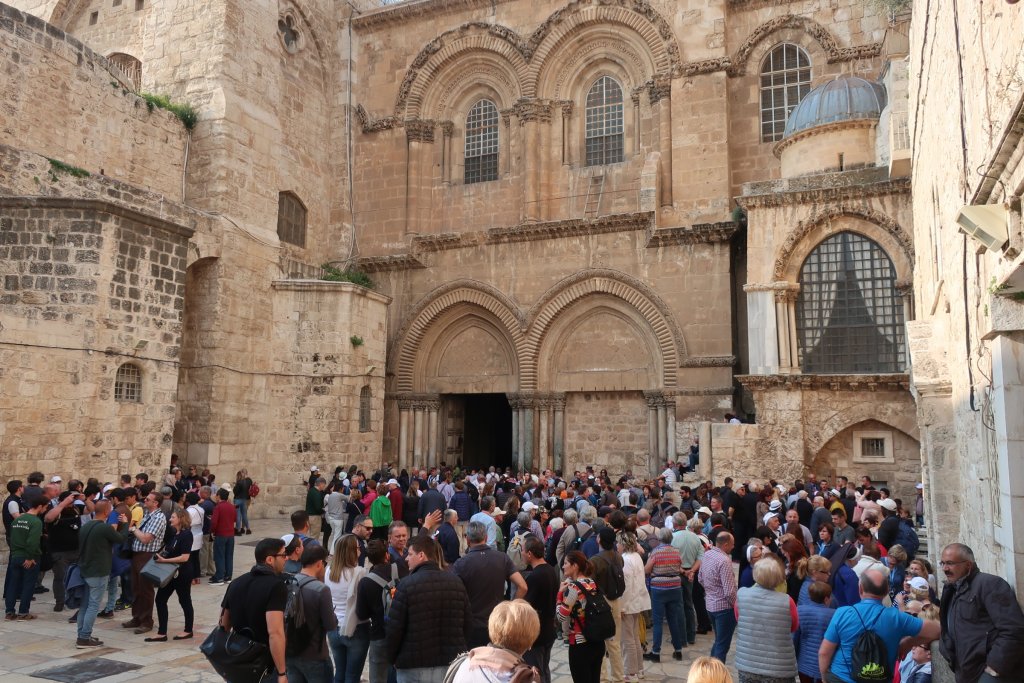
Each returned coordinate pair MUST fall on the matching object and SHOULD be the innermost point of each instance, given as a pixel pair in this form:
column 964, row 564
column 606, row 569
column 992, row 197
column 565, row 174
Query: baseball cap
column 529, row 506
column 108, row 487
column 314, row 468
column 392, row 481
column 919, row 583
column 835, row 492
column 55, row 479
column 604, row 510
column 704, row 511
column 888, row 503
column 918, row 486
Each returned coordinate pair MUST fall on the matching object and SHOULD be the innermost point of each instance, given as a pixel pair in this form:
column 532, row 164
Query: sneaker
column 120, row 606
column 653, row 656
column 106, row 614
column 58, row 608
column 10, row 616
column 41, row 589
column 26, row 617
column 86, row 643
column 73, row 618
column 677, row 655
column 216, row 582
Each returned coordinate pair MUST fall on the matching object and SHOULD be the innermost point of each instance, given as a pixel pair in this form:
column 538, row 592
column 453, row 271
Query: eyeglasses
column 280, row 555
column 947, row 565
column 367, row 527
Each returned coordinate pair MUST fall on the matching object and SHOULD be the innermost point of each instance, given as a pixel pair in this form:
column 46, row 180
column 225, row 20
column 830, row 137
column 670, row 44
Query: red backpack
column 254, row 490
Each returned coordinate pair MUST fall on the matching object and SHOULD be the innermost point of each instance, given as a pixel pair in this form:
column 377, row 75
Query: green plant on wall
column 58, row 168
column 356, row 340
column 335, row 274
column 893, row 8
column 186, row 113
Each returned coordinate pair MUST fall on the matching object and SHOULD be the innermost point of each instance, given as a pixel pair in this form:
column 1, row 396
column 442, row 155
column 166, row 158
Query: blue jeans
column 349, row 653
column 223, row 557
column 667, row 602
column 242, row 513
column 725, row 624
column 378, row 662
column 22, row 584
column 308, row 670
column 113, row 583
column 94, row 588
column 423, row 674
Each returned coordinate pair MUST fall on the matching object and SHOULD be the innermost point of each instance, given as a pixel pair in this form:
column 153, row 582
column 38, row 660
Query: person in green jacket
column 380, row 513
column 96, row 541
column 24, row 539
column 315, row 507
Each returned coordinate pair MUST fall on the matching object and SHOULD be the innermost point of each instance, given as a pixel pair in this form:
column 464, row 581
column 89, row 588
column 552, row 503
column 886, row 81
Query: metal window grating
column 872, row 448
column 604, row 137
column 481, row 162
column 291, row 219
column 364, row 409
column 849, row 314
column 128, row 384
column 785, row 80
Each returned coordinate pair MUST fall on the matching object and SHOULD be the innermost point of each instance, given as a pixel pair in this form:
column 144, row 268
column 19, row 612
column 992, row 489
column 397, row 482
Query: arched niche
column 466, row 351
column 569, row 72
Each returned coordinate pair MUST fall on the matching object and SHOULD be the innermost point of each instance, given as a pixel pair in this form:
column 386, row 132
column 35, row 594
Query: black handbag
column 236, row 656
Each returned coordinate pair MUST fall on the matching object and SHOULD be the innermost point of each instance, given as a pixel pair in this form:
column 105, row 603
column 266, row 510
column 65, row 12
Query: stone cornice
column 530, row 110
column 327, row 286
column 848, row 186
column 529, row 232
column 708, row 362
column 377, row 264
column 887, row 382
column 694, row 234
column 706, row 391
column 442, row 242
column 845, row 124
column 406, row 11
column 98, row 205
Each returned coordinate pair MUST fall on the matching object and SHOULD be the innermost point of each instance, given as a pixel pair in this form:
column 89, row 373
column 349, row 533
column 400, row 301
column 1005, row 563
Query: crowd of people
column 471, row 575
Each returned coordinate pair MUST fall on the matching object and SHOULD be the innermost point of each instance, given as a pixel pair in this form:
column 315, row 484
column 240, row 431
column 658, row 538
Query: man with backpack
column 308, row 617
column 609, row 575
column 576, row 533
column 862, row 641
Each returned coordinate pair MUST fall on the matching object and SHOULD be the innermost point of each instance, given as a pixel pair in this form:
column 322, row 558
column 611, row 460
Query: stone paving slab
column 49, row 641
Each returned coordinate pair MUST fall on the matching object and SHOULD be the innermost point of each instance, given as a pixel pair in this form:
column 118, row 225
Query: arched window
column 604, row 123
column 364, row 409
column 128, row 384
column 129, row 66
column 785, row 79
column 849, row 316
column 291, row 219
column 482, row 143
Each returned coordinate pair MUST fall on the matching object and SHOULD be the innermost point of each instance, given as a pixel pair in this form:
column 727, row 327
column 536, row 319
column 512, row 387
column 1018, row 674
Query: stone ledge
column 97, row 205
column 572, row 227
column 709, row 362
column 886, row 382
column 694, row 234
column 377, row 264
column 836, row 186
column 328, row 286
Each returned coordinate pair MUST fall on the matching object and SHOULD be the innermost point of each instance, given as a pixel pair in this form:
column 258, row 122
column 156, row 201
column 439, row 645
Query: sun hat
column 775, row 505
column 704, row 511
column 919, row 583
column 888, row 503
column 55, row 479
column 314, row 468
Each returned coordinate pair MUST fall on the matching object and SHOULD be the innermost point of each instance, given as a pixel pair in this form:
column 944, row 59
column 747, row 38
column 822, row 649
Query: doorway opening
column 478, row 430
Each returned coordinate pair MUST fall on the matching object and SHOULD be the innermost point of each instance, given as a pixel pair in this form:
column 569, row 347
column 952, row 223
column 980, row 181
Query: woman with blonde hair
column 633, row 603
column 512, row 628
column 708, row 670
column 350, row 642
column 814, row 568
column 764, row 628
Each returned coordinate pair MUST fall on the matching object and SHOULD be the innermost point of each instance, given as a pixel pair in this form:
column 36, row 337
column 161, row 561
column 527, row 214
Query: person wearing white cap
column 890, row 526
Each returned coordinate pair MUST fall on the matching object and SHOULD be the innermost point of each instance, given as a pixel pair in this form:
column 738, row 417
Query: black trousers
column 703, row 618
column 585, row 662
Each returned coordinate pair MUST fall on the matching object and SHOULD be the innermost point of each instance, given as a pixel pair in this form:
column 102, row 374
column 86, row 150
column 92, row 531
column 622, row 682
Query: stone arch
column 467, row 293
column 473, row 37
column 820, row 34
column 900, row 420
column 595, row 48
column 465, row 71
column 642, row 298
column 466, row 350
column 875, row 225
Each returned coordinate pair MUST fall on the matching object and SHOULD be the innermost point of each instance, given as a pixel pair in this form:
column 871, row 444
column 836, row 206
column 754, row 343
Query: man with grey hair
column 448, row 537
column 486, row 518
column 982, row 623
column 574, row 529
column 891, row 625
column 691, row 552
column 484, row 571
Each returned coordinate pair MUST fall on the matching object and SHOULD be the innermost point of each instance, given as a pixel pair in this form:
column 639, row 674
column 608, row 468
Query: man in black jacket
column 609, row 577
column 982, row 624
column 429, row 618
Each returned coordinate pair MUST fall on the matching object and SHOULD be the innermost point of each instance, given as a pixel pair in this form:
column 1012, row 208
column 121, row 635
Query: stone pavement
column 29, row 649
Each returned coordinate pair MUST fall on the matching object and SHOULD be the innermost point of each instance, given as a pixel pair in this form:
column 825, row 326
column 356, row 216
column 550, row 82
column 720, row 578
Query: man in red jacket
column 222, row 528
column 397, row 499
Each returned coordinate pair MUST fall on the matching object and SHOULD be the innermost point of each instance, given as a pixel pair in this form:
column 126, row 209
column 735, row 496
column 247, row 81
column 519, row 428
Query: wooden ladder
column 595, row 189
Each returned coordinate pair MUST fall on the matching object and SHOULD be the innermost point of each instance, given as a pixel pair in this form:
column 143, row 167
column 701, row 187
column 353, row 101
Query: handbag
column 159, row 573
column 236, row 656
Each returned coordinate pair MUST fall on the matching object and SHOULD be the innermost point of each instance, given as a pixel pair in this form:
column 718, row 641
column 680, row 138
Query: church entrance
column 478, row 430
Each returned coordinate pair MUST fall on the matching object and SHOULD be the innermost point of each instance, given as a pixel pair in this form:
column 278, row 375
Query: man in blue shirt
column 891, row 625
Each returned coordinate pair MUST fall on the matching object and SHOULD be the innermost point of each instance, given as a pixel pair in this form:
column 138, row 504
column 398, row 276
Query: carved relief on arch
column 557, row 79
column 808, row 233
column 469, row 293
column 501, row 42
column 465, row 73
column 621, row 286
column 824, row 38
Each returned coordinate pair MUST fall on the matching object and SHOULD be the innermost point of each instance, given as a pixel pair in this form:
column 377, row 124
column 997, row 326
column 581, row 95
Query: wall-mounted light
column 985, row 223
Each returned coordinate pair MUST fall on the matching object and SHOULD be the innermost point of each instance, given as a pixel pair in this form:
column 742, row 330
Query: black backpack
column 870, row 662
column 578, row 542
column 598, row 621
column 616, row 577
column 299, row 629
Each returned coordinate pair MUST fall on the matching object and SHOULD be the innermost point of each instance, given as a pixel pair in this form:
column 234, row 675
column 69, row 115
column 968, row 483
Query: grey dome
column 846, row 98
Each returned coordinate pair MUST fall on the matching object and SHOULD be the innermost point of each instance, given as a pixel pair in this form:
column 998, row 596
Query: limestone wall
column 734, row 453
column 606, row 429
column 62, row 100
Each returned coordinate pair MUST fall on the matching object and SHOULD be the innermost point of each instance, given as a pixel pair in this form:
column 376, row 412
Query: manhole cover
column 86, row 670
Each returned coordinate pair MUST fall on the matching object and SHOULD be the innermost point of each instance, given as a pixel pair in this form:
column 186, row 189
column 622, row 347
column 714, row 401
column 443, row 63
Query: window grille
column 291, row 219
column 872, row 448
column 785, row 79
column 849, row 314
column 129, row 66
column 482, row 143
column 364, row 409
column 604, row 138
column 128, row 384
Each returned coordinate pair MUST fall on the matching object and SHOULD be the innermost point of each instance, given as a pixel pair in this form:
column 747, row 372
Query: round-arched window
column 785, row 79
column 481, row 162
column 604, row 137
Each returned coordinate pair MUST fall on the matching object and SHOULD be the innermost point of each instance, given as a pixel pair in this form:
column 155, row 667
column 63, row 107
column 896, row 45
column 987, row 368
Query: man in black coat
column 429, row 617
column 431, row 500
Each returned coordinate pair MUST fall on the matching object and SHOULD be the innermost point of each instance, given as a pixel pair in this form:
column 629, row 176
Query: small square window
column 128, row 384
column 117, row 3
column 139, row 4
column 872, row 447
column 94, row 18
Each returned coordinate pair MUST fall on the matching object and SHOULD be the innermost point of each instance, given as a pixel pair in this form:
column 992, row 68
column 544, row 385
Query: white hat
column 108, row 487
column 392, row 481
column 287, row 538
column 918, row 486
column 529, row 506
column 888, row 503
column 345, row 482
column 919, row 583
column 55, row 479
column 775, row 505
column 768, row 516
column 835, row 492
column 224, row 486
column 314, row 468
column 704, row 511
column 496, row 512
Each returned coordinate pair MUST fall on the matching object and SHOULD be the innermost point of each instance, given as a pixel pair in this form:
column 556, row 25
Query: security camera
column 985, row 223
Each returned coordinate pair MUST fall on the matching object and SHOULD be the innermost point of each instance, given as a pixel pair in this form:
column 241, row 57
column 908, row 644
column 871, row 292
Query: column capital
column 448, row 128
column 787, row 292
column 404, row 401
column 661, row 398
column 419, row 130
column 532, row 109
column 659, row 88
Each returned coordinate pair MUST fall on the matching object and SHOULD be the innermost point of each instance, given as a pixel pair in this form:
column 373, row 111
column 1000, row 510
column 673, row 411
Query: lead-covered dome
column 847, row 98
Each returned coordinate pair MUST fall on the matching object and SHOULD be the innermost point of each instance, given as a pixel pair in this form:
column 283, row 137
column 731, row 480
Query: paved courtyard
column 30, row 650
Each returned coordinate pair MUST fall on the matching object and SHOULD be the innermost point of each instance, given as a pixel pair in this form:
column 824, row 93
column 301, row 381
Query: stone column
column 404, row 406
column 662, row 432
column 635, row 96
column 657, row 423
column 543, row 447
column 527, row 438
column 661, row 97
column 448, row 128
column 505, row 158
column 417, row 435
column 558, row 447
column 567, row 107
column 785, row 319
column 706, row 466
column 670, row 425
column 433, row 407
column 1007, row 409
column 513, row 402
column 532, row 114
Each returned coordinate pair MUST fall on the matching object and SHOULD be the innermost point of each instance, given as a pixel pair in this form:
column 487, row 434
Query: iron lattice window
column 849, row 314
column 128, row 384
column 291, row 219
column 604, row 123
column 785, row 79
column 129, row 66
column 872, row 448
column 482, row 143
column 364, row 409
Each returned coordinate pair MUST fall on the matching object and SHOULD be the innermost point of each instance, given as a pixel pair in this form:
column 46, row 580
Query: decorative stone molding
column 404, row 401
column 506, row 117
column 819, row 189
column 847, row 124
column 529, row 110
column 377, row 264
column 567, row 107
column 418, row 130
column 659, row 88
column 738, row 62
column 368, row 125
column 807, row 226
column 707, row 391
column 572, row 227
column 888, row 382
column 694, row 234
column 435, row 243
column 788, row 295
column 704, row 66
column 447, row 128
column 708, row 362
